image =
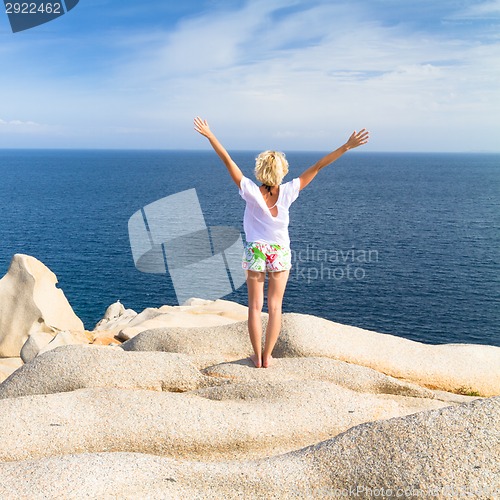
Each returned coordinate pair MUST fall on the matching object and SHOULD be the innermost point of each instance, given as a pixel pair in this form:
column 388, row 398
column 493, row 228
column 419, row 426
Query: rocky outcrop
column 449, row 367
column 193, row 313
column 351, row 376
column 115, row 317
column 212, row 342
column 71, row 367
column 178, row 410
column 227, row 422
column 459, row 368
column 30, row 302
column 449, row 452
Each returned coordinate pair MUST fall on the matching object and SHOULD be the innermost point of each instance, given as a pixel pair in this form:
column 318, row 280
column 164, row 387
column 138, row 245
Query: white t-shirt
column 258, row 223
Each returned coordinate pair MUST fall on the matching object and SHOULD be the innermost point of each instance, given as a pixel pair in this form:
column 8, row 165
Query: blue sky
column 291, row 75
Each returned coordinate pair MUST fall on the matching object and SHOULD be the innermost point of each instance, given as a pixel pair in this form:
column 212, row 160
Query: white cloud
column 20, row 125
column 338, row 76
column 302, row 77
column 488, row 9
column 210, row 42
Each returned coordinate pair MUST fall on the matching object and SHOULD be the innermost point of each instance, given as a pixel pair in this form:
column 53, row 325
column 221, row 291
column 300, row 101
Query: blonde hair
column 271, row 167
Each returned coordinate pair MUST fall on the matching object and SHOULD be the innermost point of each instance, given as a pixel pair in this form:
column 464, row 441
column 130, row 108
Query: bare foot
column 267, row 361
column 256, row 361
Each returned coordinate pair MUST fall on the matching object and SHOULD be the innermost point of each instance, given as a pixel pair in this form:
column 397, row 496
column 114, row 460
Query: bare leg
column 275, row 292
column 255, row 285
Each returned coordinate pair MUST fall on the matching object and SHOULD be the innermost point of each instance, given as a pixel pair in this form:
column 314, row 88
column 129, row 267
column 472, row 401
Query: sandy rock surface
column 447, row 367
column 228, row 422
column 125, row 323
column 449, row 452
column 165, row 403
column 72, row 367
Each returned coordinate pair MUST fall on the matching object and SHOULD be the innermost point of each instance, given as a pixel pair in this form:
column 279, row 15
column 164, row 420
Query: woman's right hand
column 201, row 126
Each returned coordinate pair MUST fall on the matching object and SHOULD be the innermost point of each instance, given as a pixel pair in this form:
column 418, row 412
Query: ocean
column 399, row 243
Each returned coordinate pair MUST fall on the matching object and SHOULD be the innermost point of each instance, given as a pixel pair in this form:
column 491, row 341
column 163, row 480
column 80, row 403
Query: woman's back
column 271, row 198
column 268, row 220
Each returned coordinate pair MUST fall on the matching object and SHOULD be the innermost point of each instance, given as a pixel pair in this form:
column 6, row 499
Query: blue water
column 407, row 244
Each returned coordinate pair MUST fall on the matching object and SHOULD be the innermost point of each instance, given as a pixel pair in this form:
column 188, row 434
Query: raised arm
column 356, row 139
column 202, row 127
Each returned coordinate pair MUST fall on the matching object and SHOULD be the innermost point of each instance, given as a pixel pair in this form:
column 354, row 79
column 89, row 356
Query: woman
column 265, row 223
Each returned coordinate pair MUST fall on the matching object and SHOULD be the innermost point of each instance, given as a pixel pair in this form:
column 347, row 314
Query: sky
column 422, row 76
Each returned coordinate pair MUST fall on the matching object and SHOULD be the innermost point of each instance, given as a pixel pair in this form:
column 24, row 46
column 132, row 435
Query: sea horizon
column 432, row 219
column 362, row 152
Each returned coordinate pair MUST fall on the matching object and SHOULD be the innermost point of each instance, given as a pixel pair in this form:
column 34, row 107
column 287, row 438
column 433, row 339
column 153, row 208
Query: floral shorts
column 261, row 256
